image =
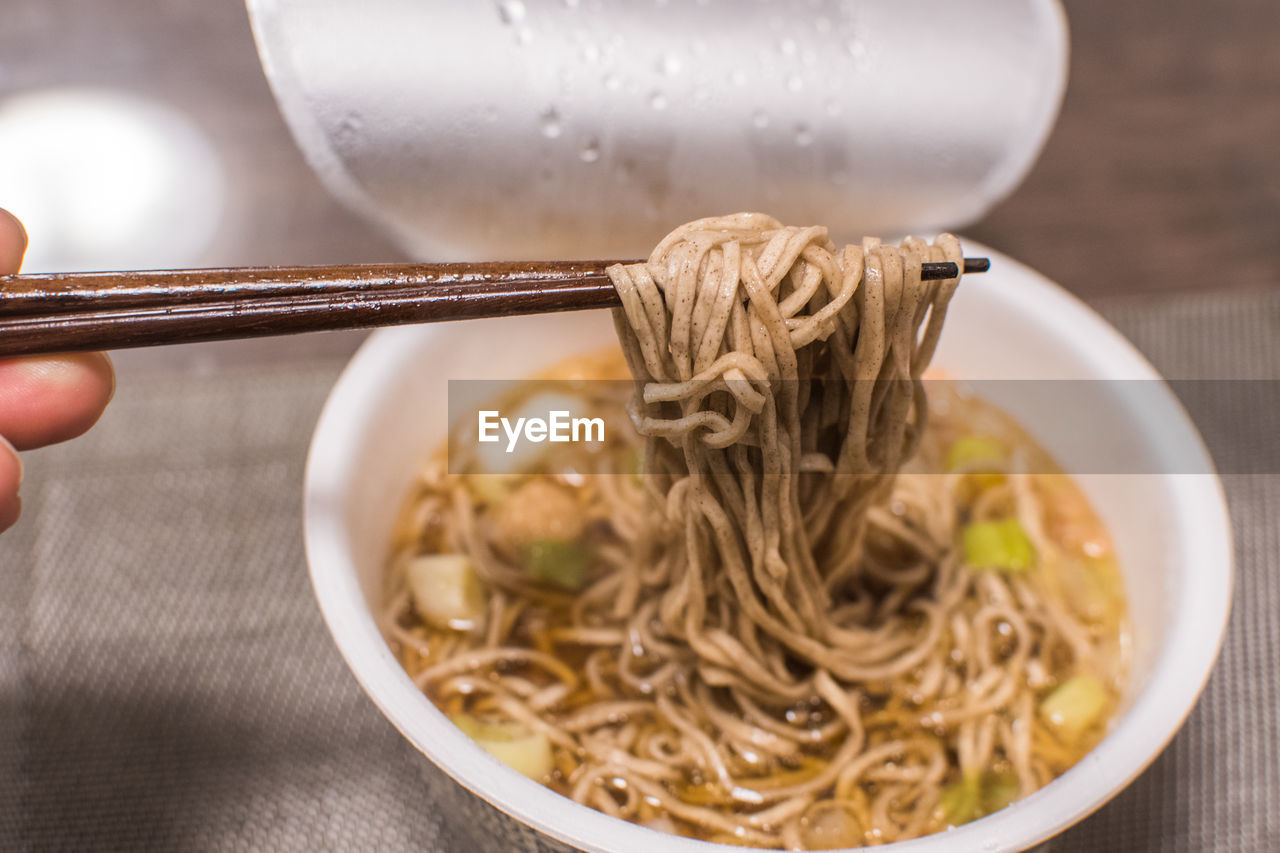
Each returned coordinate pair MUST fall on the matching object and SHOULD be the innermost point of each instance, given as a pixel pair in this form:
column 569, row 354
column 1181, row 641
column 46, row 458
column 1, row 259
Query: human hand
column 42, row 400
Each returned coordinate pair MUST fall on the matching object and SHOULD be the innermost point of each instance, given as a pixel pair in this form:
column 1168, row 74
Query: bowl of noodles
column 832, row 574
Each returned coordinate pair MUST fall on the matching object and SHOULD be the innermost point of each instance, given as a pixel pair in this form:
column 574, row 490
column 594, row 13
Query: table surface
column 167, row 683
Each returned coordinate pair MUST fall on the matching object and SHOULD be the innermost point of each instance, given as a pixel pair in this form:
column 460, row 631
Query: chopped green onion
column 558, row 561
column 998, row 545
column 998, row 791
column 974, row 452
column 961, row 801
column 1075, row 706
column 446, row 591
column 518, row 747
column 976, row 795
column 491, row 488
column 502, row 456
column 830, row 825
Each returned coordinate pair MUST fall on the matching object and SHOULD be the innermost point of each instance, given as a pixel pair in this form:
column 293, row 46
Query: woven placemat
column 166, row 681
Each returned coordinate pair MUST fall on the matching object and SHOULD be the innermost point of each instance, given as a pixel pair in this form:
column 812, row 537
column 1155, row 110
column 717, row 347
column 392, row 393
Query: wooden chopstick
column 60, row 292
column 89, row 311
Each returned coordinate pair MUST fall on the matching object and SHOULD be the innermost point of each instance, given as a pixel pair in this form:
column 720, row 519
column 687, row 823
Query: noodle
column 778, row 642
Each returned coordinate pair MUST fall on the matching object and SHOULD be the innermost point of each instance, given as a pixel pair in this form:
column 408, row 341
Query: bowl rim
column 1197, row 625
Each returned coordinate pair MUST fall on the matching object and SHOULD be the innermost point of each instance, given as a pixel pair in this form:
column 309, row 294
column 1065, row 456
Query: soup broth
column 986, row 582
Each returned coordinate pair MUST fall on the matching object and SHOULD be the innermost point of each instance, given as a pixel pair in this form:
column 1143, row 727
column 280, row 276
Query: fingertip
column 13, row 242
column 99, row 365
column 47, row 400
column 10, row 511
column 10, row 480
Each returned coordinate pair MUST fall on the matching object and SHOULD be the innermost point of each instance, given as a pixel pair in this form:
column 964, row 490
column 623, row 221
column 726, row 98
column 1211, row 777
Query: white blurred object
column 544, row 128
column 104, row 179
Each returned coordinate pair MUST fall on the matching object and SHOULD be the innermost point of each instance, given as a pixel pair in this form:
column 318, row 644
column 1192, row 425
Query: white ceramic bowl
column 388, row 411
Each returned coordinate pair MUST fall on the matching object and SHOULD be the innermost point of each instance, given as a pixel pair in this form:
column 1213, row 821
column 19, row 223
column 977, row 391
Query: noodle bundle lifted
column 780, row 382
column 820, row 617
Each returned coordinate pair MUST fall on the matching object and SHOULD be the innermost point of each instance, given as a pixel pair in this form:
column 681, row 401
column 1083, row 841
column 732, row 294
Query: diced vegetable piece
column 975, row 452
column 961, row 801
column 558, row 561
column 830, row 825
column 976, row 795
column 999, row 545
column 492, row 458
column 446, row 591
column 998, row 791
column 491, row 488
column 539, row 509
column 516, row 746
column 521, row 456
column 1075, row 706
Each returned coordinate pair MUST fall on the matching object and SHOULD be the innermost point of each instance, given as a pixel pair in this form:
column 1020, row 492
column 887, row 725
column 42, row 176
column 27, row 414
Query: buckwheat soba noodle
column 834, row 609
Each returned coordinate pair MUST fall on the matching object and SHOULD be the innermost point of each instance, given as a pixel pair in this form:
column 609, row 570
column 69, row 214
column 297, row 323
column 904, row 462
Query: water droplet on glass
column 787, row 47
column 832, row 107
column 738, row 77
column 669, row 65
column 804, row 136
column 349, row 128
column 612, row 82
column 591, row 151
column 795, row 83
column 760, row 119
column 524, row 35
column 591, row 52
column 822, row 24
column 571, row 4
column 856, row 48
column 549, row 122
column 511, row 11
column 658, row 101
